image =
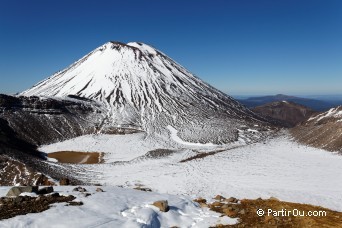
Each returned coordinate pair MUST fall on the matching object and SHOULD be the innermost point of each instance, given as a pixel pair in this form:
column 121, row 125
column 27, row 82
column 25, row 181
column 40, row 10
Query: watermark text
column 293, row 212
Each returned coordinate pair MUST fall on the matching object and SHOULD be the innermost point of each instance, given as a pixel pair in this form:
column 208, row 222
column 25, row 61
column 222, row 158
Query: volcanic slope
column 323, row 130
column 144, row 89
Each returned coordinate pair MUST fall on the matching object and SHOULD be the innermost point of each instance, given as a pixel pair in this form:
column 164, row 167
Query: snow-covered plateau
column 276, row 167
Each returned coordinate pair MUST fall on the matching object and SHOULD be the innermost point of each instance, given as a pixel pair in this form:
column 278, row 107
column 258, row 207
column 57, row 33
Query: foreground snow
column 278, row 167
column 118, row 207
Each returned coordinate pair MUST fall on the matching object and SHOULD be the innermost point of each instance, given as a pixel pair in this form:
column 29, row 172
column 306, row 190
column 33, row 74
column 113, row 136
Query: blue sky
column 241, row 47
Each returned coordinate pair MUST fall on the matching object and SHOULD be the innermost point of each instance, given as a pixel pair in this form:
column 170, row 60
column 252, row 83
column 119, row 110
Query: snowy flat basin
column 278, row 167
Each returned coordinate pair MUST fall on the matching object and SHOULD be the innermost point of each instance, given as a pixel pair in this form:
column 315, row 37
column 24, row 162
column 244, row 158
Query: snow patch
column 174, row 136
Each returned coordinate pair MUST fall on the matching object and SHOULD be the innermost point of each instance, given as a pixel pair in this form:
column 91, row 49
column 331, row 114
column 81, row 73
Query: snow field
column 118, row 207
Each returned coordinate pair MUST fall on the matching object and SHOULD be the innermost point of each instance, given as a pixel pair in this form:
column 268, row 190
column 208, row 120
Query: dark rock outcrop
column 21, row 205
column 45, row 190
column 162, row 205
column 21, row 163
column 26, row 122
column 45, row 120
column 64, row 181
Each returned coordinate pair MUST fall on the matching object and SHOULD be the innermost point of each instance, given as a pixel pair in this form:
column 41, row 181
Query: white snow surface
column 278, row 167
column 174, row 137
column 117, row 207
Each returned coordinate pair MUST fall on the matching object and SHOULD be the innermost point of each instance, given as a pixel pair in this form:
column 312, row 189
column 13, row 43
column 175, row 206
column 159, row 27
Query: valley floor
column 278, row 167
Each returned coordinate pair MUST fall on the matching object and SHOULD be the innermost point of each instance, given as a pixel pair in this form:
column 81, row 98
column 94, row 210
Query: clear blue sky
column 241, row 47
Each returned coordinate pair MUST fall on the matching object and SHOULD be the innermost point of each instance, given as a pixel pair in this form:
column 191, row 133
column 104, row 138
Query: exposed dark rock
column 15, row 172
column 21, row 205
column 45, row 190
column 79, row 189
column 200, row 200
column 20, row 162
column 232, row 200
column 144, row 189
column 162, row 205
column 219, row 198
column 64, row 181
column 73, row 203
column 159, row 153
column 55, row 194
column 71, row 118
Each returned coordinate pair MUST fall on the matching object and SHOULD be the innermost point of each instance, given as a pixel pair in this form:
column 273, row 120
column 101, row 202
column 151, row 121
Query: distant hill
column 288, row 114
column 314, row 104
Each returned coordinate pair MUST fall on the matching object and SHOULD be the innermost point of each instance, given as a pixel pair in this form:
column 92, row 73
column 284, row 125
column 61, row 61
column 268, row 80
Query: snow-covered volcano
column 143, row 88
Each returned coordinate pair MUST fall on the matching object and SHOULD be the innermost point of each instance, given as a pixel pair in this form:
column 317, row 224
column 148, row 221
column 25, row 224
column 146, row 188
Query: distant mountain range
column 314, row 104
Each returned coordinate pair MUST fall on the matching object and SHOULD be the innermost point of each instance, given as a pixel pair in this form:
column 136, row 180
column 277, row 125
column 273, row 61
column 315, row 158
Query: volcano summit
column 142, row 88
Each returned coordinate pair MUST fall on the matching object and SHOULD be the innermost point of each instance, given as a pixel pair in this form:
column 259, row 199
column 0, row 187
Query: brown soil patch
column 75, row 157
column 246, row 211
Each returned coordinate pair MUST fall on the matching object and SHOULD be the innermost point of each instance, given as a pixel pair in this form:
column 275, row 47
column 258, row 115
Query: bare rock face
column 162, row 205
column 323, row 130
column 14, row 172
column 20, row 162
column 17, row 159
column 45, row 120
